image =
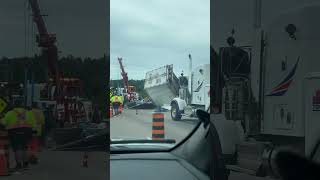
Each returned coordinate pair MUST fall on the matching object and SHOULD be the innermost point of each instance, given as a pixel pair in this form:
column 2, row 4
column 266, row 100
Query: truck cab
column 193, row 95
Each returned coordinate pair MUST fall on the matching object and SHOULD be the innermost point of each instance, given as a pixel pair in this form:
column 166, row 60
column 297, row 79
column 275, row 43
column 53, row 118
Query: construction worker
column 111, row 95
column 111, row 105
column 121, row 103
column 38, row 116
column 19, row 126
column 115, row 104
column 121, row 99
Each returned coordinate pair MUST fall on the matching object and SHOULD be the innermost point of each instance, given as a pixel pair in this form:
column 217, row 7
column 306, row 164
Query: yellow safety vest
column 40, row 120
column 115, row 99
column 111, row 99
column 18, row 118
column 121, row 99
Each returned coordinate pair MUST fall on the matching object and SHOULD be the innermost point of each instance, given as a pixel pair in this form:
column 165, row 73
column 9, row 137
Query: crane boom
column 47, row 44
column 65, row 88
column 124, row 74
column 37, row 17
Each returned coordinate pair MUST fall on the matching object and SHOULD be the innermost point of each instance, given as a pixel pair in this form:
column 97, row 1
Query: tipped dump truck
column 162, row 85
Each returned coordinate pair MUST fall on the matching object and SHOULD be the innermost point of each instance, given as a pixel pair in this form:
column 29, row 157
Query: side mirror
column 203, row 116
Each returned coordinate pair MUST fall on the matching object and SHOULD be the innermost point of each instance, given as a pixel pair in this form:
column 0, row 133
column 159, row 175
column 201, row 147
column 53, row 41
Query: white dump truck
column 162, row 86
column 183, row 95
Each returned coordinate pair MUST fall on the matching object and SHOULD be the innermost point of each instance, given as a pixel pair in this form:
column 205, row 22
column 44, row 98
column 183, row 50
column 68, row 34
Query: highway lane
column 138, row 125
column 57, row 165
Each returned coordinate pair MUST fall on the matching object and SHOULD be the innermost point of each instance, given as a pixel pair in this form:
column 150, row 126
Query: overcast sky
column 149, row 34
column 81, row 26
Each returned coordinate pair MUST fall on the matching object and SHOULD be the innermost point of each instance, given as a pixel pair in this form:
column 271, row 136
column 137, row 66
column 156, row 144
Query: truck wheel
column 175, row 112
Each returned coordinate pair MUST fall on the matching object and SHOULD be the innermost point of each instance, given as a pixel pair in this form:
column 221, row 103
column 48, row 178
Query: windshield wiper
column 144, row 141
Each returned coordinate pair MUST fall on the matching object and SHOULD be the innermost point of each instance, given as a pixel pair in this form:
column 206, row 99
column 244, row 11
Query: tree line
column 138, row 84
column 92, row 71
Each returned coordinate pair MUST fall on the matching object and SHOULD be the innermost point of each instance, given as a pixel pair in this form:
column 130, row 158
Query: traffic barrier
column 158, row 132
column 4, row 158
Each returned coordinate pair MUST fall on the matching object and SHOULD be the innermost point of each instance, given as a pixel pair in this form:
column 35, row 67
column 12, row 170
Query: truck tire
column 175, row 112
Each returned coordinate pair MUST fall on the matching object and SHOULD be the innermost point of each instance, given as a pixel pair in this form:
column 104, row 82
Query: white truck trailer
column 285, row 112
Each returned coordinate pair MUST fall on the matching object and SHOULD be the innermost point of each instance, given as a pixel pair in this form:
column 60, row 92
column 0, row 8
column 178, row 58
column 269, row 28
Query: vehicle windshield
column 159, row 68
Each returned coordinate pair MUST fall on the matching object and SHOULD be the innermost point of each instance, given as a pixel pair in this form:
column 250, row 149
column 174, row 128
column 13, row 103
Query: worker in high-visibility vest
column 121, row 99
column 111, row 109
column 121, row 103
column 19, row 125
column 115, row 100
column 34, row 145
column 111, row 104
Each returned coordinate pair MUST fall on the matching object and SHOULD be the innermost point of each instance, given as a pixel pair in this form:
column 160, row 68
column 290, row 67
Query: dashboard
column 155, row 166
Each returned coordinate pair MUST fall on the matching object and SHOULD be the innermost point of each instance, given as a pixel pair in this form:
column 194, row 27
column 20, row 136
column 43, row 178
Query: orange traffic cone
column 120, row 108
column 158, row 132
column 110, row 112
column 4, row 163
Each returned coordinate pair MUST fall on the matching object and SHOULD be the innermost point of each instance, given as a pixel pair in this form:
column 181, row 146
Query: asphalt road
column 58, row 165
column 138, row 125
